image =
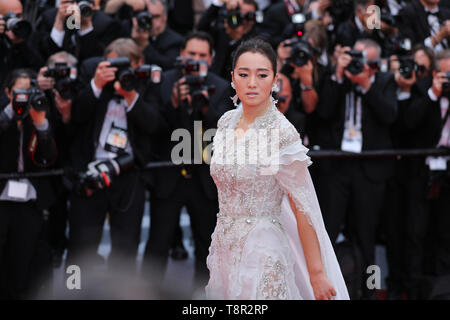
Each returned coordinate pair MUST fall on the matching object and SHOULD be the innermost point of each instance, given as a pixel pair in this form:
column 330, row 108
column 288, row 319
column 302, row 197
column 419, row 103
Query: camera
column 407, row 66
column 235, row 18
column 356, row 65
column 99, row 175
column 85, row 7
column 21, row 28
column 129, row 78
column 189, row 66
column 64, row 82
column 23, row 99
column 296, row 28
column 144, row 20
column 301, row 52
column 197, row 82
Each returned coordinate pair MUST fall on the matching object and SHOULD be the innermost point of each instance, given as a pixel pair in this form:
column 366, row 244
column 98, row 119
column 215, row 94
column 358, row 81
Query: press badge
column 352, row 140
column 17, row 190
column 437, row 163
column 117, row 139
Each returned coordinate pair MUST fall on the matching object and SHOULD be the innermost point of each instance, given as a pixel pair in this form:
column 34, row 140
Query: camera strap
column 352, row 137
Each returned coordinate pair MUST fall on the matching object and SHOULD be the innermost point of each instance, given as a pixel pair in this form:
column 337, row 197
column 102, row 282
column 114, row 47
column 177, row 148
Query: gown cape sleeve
column 294, row 178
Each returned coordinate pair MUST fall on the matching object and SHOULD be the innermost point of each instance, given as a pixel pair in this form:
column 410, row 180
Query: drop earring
column 275, row 89
column 235, row 97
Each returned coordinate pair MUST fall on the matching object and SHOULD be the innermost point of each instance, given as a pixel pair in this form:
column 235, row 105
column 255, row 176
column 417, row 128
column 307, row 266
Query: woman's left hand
column 323, row 290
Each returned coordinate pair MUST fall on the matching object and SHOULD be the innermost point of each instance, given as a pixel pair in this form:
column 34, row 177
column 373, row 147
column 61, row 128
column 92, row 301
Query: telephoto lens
column 21, row 28
column 144, row 20
column 85, row 8
column 356, row 66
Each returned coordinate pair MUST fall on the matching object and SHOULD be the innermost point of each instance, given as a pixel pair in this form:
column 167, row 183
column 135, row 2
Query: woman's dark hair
column 16, row 74
column 256, row 45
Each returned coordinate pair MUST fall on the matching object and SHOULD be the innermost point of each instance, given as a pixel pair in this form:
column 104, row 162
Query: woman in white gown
column 270, row 241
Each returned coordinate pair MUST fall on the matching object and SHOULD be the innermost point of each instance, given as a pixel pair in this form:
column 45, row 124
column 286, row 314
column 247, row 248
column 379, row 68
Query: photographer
column 403, row 199
column 58, row 30
column 58, row 80
column 187, row 96
column 125, row 11
column 26, row 145
column 429, row 124
column 360, row 105
column 159, row 43
column 427, row 22
column 304, row 61
column 229, row 22
column 116, row 112
column 15, row 48
column 360, row 26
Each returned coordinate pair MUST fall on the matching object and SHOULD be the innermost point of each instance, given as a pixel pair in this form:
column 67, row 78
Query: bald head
column 11, row 6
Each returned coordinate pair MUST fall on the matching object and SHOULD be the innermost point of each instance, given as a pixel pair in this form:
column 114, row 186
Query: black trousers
column 394, row 222
column 350, row 191
column 441, row 214
column 20, row 235
column 124, row 202
column 164, row 219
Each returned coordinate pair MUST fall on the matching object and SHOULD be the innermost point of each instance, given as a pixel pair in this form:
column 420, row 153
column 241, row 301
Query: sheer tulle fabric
column 256, row 251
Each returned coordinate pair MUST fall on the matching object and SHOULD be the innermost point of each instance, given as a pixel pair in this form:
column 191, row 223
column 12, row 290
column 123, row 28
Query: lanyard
column 353, row 114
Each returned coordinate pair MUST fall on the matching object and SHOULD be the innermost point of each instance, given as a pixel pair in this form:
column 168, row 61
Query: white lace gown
column 256, row 251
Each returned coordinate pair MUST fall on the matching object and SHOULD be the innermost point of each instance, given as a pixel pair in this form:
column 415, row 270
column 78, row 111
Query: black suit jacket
column 348, row 33
column 168, row 178
column 35, row 159
column 379, row 111
column 22, row 55
column 275, row 21
column 164, row 49
column 93, row 44
column 88, row 114
column 413, row 21
column 422, row 119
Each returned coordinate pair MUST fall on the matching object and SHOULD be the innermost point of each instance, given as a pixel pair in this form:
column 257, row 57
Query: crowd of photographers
column 98, row 88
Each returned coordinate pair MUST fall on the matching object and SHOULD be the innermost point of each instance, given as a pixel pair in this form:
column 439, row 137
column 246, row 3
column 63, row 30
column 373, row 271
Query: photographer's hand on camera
column 444, row 32
column 62, row 14
column 63, row 106
column 343, row 61
column 235, row 34
column 180, row 92
column 363, row 78
column 104, row 74
column 138, row 35
column 128, row 95
column 45, row 83
column 38, row 117
column 8, row 33
column 404, row 84
column 438, row 80
column 304, row 73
